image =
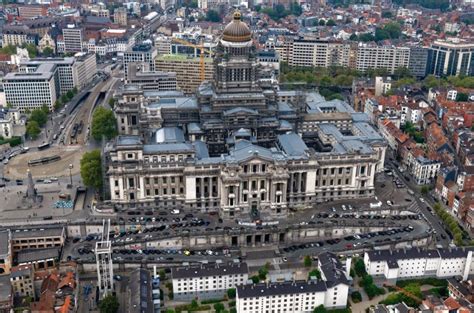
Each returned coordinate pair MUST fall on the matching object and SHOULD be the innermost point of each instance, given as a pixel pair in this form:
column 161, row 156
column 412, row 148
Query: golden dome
column 237, row 31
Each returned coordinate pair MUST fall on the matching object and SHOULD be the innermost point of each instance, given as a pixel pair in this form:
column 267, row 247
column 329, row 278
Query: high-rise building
column 86, row 64
column 418, row 60
column 73, row 37
column 152, row 81
column 143, row 55
column 187, row 70
column 32, row 90
column 319, row 53
column 120, row 16
column 373, row 56
column 67, row 70
column 447, row 58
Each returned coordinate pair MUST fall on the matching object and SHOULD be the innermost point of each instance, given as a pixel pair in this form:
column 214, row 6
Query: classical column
column 202, row 186
column 298, row 187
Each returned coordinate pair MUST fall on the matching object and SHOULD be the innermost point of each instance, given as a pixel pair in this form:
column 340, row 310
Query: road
column 425, row 207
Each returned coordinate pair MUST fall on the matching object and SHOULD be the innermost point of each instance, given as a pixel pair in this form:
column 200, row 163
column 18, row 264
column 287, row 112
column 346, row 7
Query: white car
column 343, row 207
column 390, row 203
column 422, row 200
column 47, row 181
column 175, row 211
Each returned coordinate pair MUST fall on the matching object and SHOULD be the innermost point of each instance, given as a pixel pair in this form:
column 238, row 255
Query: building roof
column 32, row 255
column 5, row 289
column 141, row 300
column 41, row 232
column 21, row 270
column 286, row 288
column 385, row 255
column 169, row 135
column 292, row 144
column 206, row 270
column 44, row 71
column 237, row 31
column 4, row 242
column 332, row 269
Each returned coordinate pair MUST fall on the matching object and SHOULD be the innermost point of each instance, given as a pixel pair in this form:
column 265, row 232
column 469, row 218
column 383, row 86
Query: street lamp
column 70, row 173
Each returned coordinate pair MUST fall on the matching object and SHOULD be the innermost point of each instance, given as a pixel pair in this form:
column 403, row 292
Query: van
column 375, row 205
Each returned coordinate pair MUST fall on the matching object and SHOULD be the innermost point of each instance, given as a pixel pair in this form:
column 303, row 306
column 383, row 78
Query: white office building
column 32, row 90
column 299, row 296
column 143, row 55
column 416, row 263
column 208, row 281
column 66, row 70
column 373, row 56
column 72, row 37
column 319, row 53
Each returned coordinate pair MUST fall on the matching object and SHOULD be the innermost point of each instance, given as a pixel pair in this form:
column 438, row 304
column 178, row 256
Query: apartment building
column 208, row 281
column 373, row 56
column 6, row 253
column 143, row 55
column 73, row 38
column 319, row 53
column 120, row 16
column 424, row 170
column 17, row 35
column 417, row 263
column 38, row 238
column 32, row 90
column 299, row 296
column 32, row 11
column 21, row 279
column 447, row 58
column 187, row 69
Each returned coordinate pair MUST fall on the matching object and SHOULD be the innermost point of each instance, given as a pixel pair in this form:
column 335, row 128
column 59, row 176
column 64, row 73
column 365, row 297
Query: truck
column 375, row 205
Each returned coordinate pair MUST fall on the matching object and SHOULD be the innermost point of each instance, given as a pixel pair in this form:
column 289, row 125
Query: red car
column 349, row 246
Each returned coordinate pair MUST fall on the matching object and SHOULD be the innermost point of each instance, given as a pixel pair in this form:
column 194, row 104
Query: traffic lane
column 431, row 218
column 348, row 245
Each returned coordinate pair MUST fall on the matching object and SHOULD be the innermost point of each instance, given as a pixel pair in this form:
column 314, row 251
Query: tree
column 359, row 268
column 112, row 102
column 10, row 50
column 104, row 124
column 353, row 37
column 219, row 307
column 91, row 169
column 314, row 273
column 320, row 309
column 424, row 190
column 162, row 274
column 33, row 129
column 387, row 14
column 47, row 52
column 295, row 9
column 57, row 105
column 330, row 22
column 401, row 72
column 194, row 304
column 39, row 116
column 255, row 279
column 307, row 261
column 356, row 297
column 109, row 304
column 70, row 95
column 462, row 97
column 231, row 293
column 64, row 98
column 322, row 22
column 32, row 50
column 213, row 16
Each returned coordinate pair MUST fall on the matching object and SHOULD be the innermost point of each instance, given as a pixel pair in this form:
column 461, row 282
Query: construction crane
column 201, row 55
column 405, row 292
